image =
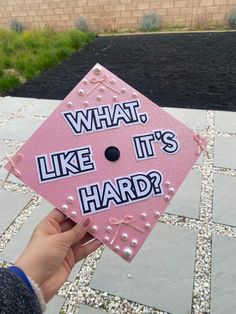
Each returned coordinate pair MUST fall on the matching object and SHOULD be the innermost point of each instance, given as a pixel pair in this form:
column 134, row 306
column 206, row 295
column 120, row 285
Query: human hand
column 56, row 244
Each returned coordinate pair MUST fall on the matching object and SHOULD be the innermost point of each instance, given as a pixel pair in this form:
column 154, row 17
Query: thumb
column 76, row 233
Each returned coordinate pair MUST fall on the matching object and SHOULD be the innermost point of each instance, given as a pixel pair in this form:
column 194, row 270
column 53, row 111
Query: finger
column 76, row 233
column 87, row 238
column 67, row 225
column 55, row 214
column 87, row 249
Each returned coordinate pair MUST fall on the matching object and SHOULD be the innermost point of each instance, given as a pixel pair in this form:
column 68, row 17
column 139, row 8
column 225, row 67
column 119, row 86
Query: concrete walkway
column 187, row 265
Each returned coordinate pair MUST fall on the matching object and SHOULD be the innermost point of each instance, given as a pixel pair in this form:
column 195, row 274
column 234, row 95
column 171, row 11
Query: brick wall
column 112, row 14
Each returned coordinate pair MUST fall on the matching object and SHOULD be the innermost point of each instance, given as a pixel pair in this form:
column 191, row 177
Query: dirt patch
column 194, row 70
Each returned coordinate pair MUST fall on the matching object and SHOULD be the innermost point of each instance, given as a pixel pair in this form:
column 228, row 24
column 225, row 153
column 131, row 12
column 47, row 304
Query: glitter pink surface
column 122, row 227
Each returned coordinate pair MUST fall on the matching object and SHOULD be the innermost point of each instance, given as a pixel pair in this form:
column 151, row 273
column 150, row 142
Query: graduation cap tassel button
column 112, row 153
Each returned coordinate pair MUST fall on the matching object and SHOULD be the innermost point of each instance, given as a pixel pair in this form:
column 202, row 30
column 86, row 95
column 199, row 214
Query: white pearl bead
column 106, row 239
column 157, row 214
column 127, row 253
column 99, row 97
column 108, row 229
column 70, row 199
column 113, row 82
column 102, row 89
column 85, row 82
column 73, row 213
column 86, row 103
column 114, row 98
column 147, row 226
column 167, row 183
column 129, row 276
column 81, row 92
column 171, row 190
column 134, row 242
column 134, row 94
column 143, row 216
column 124, row 236
column 97, row 69
column 64, row 207
column 116, row 248
column 167, row 198
column 70, row 104
column 94, row 229
column 123, row 90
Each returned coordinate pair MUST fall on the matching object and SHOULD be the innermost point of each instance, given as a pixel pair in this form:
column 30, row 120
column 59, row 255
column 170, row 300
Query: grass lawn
column 24, row 55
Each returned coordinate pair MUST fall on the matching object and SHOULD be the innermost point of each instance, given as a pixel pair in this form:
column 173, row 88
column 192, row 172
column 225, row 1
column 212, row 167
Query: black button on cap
column 112, row 153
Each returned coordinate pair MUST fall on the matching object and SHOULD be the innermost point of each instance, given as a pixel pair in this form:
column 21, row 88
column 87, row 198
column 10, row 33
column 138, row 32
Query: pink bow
column 13, row 163
column 128, row 220
column 200, row 147
column 97, row 82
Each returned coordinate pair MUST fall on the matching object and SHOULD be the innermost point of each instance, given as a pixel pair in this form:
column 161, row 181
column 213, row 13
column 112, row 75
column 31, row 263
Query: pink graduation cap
column 109, row 152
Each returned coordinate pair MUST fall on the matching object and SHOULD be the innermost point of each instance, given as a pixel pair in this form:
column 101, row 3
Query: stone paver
column 85, row 309
column 224, row 200
column 19, row 129
column 223, row 299
column 170, row 268
column 225, row 152
column 186, row 200
column 41, row 107
column 15, row 247
column 11, row 205
column 193, row 118
column 225, row 121
column 13, row 104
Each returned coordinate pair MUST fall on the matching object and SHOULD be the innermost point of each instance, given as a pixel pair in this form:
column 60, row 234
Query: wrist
column 30, row 271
